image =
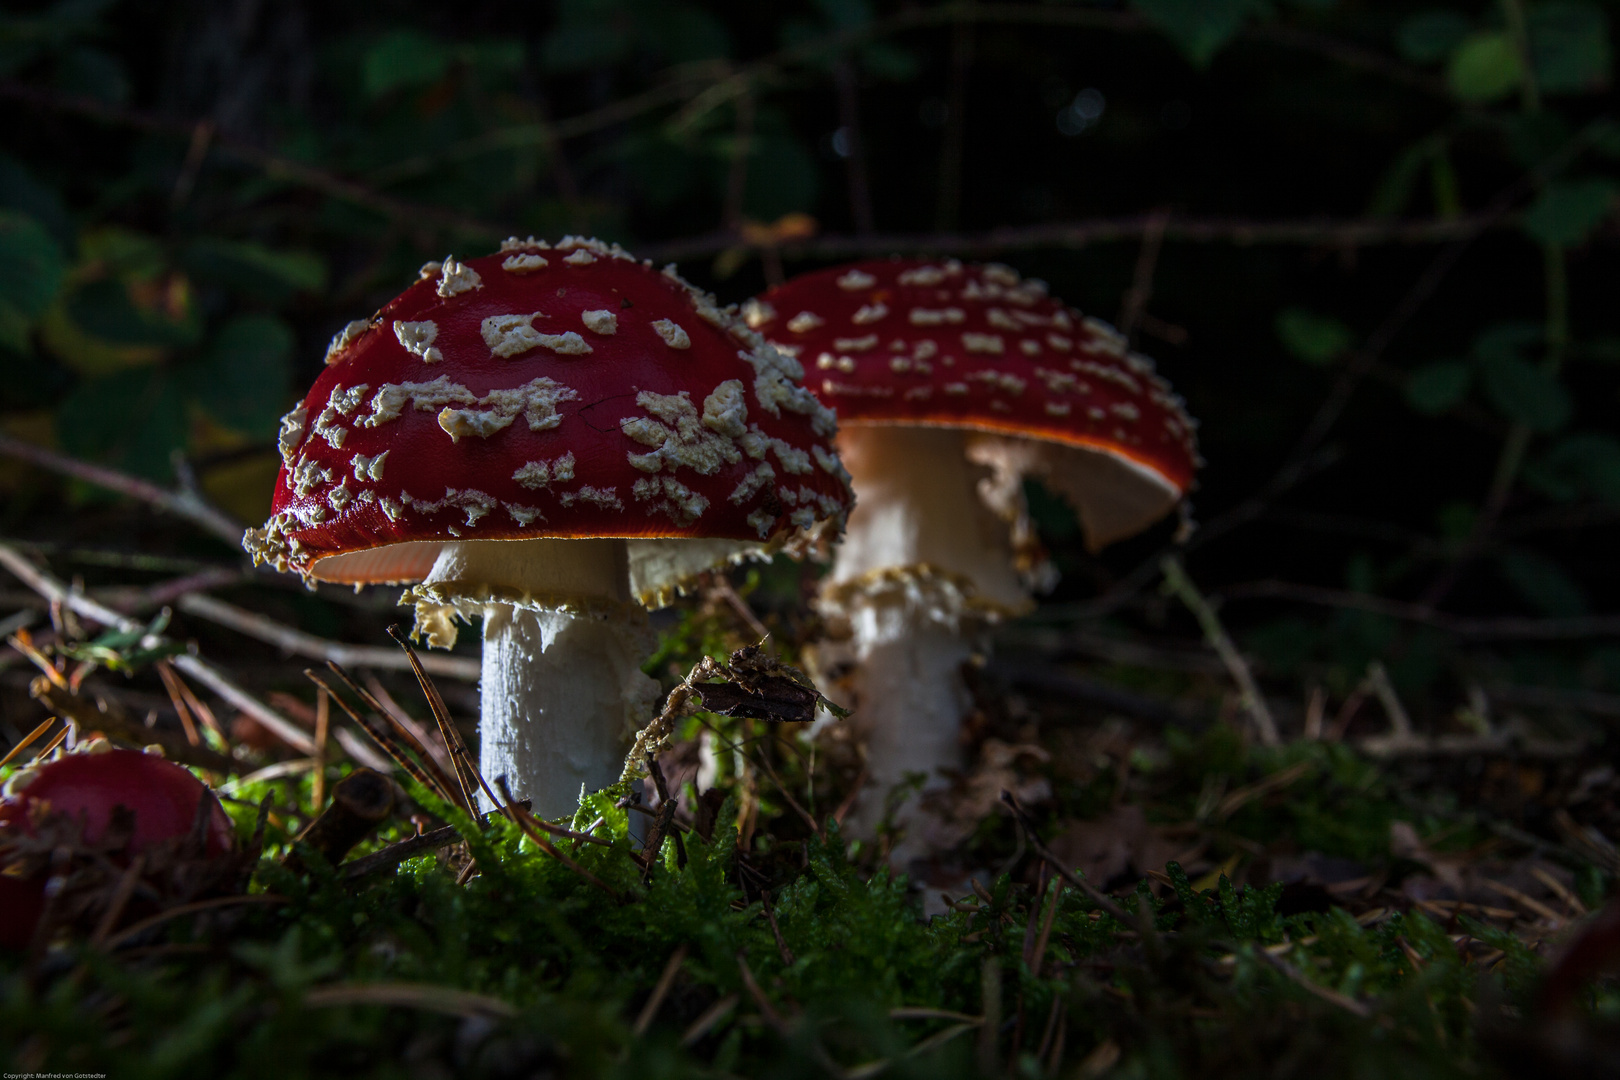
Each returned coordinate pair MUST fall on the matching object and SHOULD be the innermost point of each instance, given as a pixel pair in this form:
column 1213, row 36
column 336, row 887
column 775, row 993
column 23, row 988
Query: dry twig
column 1097, row 896
column 161, row 917
column 776, row 931
column 382, row 738
column 27, row 740
column 1254, row 702
column 298, row 643
column 526, row 821
column 1474, row 628
column 710, row 1017
column 46, row 585
column 460, row 757
column 361, row 801
column 660, row 991
column 440, row 781
column 394, row 854
column 428, row 996
column 1328, row 994
column 184, row 503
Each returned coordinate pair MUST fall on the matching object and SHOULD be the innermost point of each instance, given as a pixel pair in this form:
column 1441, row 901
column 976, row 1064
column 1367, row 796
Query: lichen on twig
column 751, row 683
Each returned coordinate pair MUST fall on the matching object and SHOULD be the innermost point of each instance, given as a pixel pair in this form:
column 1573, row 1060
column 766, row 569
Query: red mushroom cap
column 89, row 785
column 974, row 347
column 564, row 392
column 954, row 345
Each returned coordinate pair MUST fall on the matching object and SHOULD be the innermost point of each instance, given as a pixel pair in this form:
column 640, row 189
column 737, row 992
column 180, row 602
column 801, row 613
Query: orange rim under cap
column 951, row 344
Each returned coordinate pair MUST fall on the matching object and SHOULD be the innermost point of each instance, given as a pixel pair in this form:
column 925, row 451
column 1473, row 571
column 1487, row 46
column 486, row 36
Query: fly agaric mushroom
column 940, row 372
column 550, row 438
column 86, row 787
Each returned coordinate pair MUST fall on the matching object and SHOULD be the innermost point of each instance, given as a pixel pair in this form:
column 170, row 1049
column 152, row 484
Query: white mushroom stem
column 922, row 563
column 562, row 690
column 911, row 701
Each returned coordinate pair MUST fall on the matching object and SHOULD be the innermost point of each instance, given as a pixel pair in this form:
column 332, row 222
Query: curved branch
column 183, row 504
column 724, row 83
column 1484, row 628
column 299, row 643
column 276, row 166
column 1327, row 232
column 44, row 583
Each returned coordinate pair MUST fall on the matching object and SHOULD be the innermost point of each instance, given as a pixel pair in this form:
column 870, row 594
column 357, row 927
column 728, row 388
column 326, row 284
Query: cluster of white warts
column 673, row 428
column 1037, row 334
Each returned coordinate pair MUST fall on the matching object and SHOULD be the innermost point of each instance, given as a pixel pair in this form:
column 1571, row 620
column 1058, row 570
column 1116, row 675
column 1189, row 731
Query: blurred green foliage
column 190, row 207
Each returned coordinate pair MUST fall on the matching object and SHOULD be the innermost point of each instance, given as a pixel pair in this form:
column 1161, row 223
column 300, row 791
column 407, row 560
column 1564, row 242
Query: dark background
column 1338, row 220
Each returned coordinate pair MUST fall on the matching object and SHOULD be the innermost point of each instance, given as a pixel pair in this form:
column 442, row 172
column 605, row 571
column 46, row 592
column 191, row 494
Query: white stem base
column 911, row 700
column 562, row 691
column 562, row 696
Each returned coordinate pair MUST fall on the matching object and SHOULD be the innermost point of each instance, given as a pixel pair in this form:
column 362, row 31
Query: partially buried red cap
column 87, row 786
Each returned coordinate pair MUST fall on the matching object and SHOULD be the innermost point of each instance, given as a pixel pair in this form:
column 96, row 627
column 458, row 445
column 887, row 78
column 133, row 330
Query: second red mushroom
column 953, row 383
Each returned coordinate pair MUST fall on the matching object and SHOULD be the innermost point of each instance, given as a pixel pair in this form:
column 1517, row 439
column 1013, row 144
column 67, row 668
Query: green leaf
column 1525, row 394
column 1585, row 463
column 1600, row 350
column 1509, row 339
column 1543, row 583
column 1604, row 135
column 1569, row 45
column 132, row 420
column 404, row 58
column 589, row 34
column 685, row 34
column 14, row 328
column 1395, row 187
column 94, row 74
column 21, row 190
column 1436, row 388
column 246, row 376
column 45, row 28
column 31, row 264
column 120, row 650
column 781, row 176
column 1566, row 211
column 1199, row 28
column 255, row 269
column 663, row 169
column 1430, row 36
column 1484, row 67
column 888, row 61
column 124, row 251
column 492, row 60
column 846, row 14
column 103, row 309
column 580, row 48
column 1315, row 339
column 1443, row 183
column 1457, row 520
column 1538, row 139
